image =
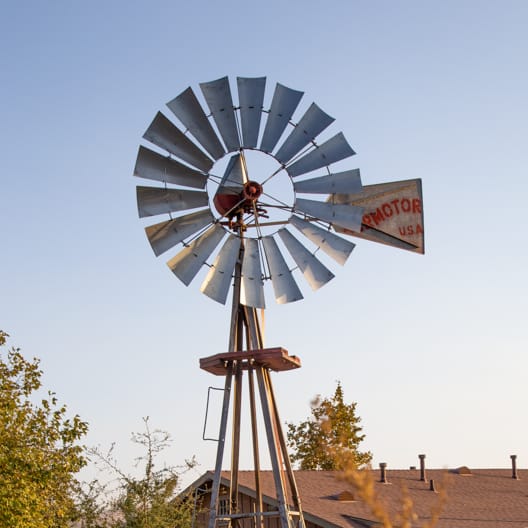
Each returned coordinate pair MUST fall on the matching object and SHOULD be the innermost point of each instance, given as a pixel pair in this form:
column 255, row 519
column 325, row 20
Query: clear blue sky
column 433, row 348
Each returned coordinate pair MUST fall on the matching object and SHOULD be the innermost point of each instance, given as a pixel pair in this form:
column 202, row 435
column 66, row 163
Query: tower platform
column 276, row 359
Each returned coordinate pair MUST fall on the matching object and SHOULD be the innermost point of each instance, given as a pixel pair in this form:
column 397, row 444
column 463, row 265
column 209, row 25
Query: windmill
column 229, row 218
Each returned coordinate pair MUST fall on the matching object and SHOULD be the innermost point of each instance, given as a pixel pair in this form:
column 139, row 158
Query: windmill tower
column 246, row 231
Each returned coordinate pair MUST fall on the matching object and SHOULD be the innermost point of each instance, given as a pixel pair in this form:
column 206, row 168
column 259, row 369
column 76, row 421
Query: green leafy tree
column 330, row 439
column 151, row 500
column 39, row 450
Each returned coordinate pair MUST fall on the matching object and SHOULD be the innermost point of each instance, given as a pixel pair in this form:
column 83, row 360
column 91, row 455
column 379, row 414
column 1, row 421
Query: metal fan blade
column 252, row 288
column 314, row 271
column 186, row 264
column 347, row 216
column 284, row 285
column 227, row 196
column 250, row 99
column 189, row 111
column 331, row 184
column 335, row 149
column 218, row 96
column 284, row 102
column 167, row 234
column 166, row 135
column 234, row 176
column 312, row 123
column 334, row 246
column 157, row 200
column 218, row 280
column 154, row 166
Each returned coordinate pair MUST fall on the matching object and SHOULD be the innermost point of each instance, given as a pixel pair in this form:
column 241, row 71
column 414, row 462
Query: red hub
column 252, row 190
column 246, row 201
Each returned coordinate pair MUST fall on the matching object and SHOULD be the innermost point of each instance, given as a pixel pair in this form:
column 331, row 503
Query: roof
column 485, row 498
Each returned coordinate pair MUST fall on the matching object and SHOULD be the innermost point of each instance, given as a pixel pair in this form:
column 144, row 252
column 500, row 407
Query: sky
column 432, row 348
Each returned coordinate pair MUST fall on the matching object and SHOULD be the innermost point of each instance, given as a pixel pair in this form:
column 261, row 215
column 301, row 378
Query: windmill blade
column 227, row 196
column 234, row 176
column 312, row 123
column 284, row 285
column 284, row 102
column 167, row 234
column 157, row 200
column 218, row 281
column 250, row 99
column 331, row 184
column 335, row 149
column 347, row 216
column 252, row 288
column 218, row 96
column 166, row 135
column 314, row 271
column 154, row 166
column 186, row 264
column 334, row 246
column 189, row 111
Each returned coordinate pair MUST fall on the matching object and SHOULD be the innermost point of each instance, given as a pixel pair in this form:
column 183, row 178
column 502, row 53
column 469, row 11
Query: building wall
column 245, row 504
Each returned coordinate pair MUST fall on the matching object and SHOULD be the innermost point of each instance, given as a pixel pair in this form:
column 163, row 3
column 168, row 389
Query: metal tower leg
column 285, row 457
column 235, row 449
column 276, row 464
column 259, row 521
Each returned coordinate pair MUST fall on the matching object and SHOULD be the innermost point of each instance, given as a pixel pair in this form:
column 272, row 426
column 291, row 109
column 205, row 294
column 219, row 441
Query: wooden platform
column 273, row 358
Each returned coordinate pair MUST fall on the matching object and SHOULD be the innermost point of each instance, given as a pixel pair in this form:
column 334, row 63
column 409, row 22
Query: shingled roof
column 483, row 498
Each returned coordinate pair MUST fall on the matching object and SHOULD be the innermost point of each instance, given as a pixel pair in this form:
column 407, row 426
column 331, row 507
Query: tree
column 39, row 450
column 149, row 501
column 330, row 439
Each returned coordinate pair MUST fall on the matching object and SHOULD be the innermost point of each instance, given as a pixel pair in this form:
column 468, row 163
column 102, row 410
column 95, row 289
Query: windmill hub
column 231, row 204
column 254, row 194
column 252, row 190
